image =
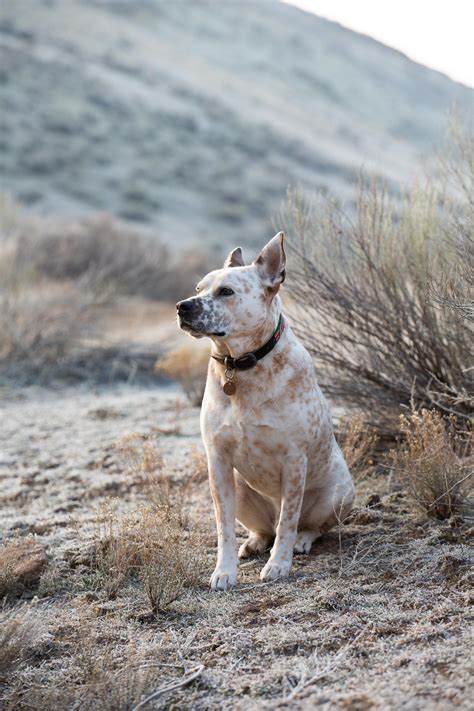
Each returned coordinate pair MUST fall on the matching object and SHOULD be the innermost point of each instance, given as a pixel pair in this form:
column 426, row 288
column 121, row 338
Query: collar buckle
column 246, row 361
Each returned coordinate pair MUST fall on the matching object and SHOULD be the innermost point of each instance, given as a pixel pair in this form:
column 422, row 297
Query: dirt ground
column 376, row 617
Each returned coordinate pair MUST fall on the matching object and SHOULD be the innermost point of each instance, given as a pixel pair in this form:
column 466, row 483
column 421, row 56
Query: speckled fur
column 273, row 461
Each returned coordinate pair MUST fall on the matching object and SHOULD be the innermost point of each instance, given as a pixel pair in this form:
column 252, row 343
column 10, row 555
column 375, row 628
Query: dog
column 274, row 464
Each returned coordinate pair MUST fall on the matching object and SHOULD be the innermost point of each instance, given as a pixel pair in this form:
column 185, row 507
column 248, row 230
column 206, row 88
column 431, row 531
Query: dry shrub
column 59, row 277
column 43, row 323
column 151, row 546
column 108, row 255
column 40, row 321
column 456, row 290
column 363, row 292
column 358, row 442
column 188, row 366
column 434, row 463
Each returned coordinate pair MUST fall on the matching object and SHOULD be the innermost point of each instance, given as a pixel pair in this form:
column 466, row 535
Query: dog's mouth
column 196, row 331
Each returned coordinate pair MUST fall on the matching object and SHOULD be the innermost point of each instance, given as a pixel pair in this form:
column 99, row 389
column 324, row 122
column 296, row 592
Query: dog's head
column 235, row 300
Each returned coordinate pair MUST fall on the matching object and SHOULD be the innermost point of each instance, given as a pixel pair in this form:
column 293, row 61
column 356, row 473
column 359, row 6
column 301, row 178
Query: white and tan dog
column 273, row 461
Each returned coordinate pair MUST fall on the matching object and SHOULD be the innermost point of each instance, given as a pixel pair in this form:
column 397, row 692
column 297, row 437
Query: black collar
column 249, row 360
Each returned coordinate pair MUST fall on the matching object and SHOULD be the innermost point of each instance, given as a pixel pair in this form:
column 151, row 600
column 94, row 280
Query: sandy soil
column 376, row 617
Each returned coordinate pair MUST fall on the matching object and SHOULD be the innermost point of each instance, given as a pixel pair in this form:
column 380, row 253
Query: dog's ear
column 234, row 258
column 271, row 261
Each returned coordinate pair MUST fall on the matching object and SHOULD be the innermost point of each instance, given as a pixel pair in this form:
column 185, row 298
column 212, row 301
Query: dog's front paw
column 223, row 579
column 274, row 570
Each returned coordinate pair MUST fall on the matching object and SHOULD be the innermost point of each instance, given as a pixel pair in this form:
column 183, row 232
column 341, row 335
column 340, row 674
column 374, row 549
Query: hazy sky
column 437, row 33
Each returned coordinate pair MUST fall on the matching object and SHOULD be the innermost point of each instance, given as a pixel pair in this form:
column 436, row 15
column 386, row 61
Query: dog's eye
column 225, row 291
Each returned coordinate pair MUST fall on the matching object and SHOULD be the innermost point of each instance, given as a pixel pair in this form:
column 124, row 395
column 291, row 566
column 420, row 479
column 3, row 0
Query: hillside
column 194, row 118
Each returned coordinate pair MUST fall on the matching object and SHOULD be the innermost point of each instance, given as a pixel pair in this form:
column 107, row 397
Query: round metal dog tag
column 229, row 387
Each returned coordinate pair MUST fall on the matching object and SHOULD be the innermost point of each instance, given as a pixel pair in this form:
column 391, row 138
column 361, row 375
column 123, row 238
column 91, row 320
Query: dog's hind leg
column 323, row 509
column 257, row 515
column 304, row 540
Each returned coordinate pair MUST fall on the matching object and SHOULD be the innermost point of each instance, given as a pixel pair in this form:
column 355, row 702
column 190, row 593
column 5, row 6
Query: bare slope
column 195, row 117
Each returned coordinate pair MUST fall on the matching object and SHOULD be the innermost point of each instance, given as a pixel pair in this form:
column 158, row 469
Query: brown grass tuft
column 188, row 366
column 154, row 543
column 434, row 463
column 358, row 442
column 149, row 545
column 22, row 562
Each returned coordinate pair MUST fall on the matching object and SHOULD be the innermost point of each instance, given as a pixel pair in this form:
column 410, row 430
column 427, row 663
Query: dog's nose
column 183, row 306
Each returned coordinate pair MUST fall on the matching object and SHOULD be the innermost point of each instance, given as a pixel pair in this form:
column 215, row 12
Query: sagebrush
column 363, row 285
column 434, row 463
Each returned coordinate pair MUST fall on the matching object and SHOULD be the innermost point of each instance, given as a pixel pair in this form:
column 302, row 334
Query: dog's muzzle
column 188, row 310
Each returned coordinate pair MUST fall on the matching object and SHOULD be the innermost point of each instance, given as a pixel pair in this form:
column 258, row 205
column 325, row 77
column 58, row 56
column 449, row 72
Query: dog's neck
column 236, row 346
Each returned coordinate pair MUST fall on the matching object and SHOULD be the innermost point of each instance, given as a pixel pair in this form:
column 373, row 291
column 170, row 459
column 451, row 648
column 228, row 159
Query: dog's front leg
column 222, row 484
column 293, row 484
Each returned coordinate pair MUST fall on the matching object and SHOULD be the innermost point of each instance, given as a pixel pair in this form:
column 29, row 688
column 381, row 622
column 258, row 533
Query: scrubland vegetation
column 109, row 537
column 385, row 296
column 61, row 280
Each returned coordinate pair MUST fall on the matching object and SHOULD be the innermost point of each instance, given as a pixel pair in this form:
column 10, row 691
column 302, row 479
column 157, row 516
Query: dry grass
column 22, row 562
column 358, row 442
column 154, row 544
column 188, row 366
column 435, row 464
column 101, row 668
column 20, row 630
column 149, row 545
column 146, row 465
column 9, row 585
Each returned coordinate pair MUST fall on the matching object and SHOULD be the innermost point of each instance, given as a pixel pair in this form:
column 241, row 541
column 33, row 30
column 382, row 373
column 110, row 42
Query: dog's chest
column 259, row 454
column 261, row 430
column 273, row 417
